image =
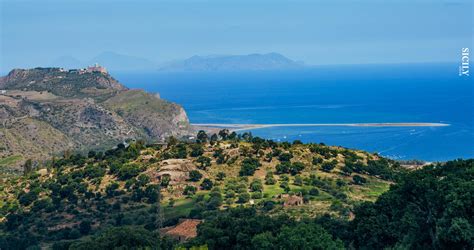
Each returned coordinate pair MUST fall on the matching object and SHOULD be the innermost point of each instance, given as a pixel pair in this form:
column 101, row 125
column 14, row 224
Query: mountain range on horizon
column 120, row 62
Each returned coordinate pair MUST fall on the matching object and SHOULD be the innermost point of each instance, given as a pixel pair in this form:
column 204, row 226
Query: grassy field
column 9, row 160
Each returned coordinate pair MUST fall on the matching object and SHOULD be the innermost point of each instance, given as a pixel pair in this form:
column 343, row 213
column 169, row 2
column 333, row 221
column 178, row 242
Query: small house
column 185, row 230
column 293, row 200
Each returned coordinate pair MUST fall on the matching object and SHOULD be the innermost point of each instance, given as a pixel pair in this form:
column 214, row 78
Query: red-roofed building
column 185, row 230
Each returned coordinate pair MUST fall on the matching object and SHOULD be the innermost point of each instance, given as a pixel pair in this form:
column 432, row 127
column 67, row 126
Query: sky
column 36, row 32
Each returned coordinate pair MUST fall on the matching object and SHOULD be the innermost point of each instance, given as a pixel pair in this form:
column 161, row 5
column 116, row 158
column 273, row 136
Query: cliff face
column 44, row 111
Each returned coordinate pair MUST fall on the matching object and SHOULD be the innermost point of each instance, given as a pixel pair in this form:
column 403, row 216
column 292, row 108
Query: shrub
column 359, row 180
column 256, row 185
column 257, row 195
column 269, row 180
column 206, row 184
column 329, row 165
column 204, row 162
column 195, row 175
column 243, row 198
column 298, row 181
column 314, row 192
column 189, row 190
column 285, row 157
column 317, row 160
column 196, row 150
column 128, row 171
column 220, row 176
column 249, row 166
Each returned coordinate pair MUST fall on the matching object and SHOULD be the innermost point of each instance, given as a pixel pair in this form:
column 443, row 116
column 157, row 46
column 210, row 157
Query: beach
column 240, row 127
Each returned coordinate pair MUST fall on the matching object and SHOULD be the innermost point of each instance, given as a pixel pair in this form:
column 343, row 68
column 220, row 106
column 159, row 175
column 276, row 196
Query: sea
column 378, row 93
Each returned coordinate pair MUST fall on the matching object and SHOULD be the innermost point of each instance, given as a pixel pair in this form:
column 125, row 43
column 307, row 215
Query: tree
column 289, row 168
column 120, row 238
column 171, row 202
column 220, row 176
column 165, row 180
column 128, row 171
column 202, row 136
column 224, row 134
column 244, row 228
column 283, row 168
column 297, row 142
column 204, row 162
column 429, row 208
column 256, row 185
column 298, row 181
column 195, row 175
column 196, row 150
column 306, row 236
column 110, row 189
column 296, row 168
column 317, row 160
column 206, row 184
column 347, row 170
column 247, row 136
column 285, row 186
column 269, row 179
column 215, row 199
column 214, row 139
column 233, row 136
column 243, row 198
column 329, row 165
column 249, row 166
column 180, row 151
column 264, row 240
column 189, row 190
column 85, row 227
column 285, row 157
column 359, row 180
column 314, row 192
column 27, row 167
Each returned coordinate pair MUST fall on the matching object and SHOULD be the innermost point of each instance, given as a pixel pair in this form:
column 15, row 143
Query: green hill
column 152, row 186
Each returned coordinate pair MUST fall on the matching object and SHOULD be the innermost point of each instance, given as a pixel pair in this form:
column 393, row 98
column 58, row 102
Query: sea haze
column 334, row 94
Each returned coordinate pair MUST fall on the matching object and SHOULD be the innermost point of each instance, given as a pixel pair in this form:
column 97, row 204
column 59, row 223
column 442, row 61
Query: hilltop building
column 96, row 68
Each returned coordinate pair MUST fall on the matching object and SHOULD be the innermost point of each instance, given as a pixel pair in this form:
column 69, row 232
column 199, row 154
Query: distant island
column 251, row 62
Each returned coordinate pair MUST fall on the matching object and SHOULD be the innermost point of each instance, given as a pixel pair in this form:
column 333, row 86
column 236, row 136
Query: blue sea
column 334, row 94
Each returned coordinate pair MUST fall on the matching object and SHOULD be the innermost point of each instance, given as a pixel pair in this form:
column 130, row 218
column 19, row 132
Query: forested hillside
column 247, row 192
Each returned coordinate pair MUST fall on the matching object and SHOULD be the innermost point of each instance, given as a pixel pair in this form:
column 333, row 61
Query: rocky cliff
column 44, row 111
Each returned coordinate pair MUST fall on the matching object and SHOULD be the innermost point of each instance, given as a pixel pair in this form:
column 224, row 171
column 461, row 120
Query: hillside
column 152, row 186
column 251, row 62
column 64, row 110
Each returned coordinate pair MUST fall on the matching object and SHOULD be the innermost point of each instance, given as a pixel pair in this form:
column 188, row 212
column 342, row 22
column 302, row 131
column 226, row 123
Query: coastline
column 240, row 127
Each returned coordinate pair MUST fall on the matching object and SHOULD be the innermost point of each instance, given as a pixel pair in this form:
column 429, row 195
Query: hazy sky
column 35, row 32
